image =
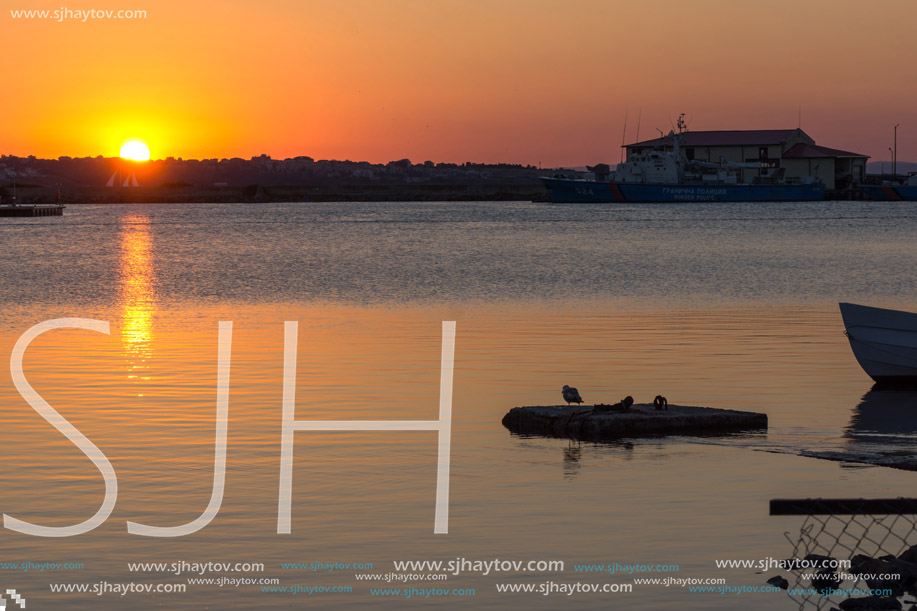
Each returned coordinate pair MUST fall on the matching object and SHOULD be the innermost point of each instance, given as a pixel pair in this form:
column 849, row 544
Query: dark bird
column 571, row 395
column 661, row 402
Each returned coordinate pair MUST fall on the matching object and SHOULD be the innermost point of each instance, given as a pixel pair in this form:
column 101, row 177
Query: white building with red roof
column 788, row 152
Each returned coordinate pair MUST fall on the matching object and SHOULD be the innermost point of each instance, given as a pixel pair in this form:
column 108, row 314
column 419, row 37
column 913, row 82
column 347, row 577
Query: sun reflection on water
column 136, row 288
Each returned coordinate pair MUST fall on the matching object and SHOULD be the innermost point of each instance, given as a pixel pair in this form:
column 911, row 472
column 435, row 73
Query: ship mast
column 624, row 136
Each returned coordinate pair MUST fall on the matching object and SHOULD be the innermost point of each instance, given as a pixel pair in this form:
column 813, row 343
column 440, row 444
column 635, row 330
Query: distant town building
column 791, row 150
column 364, row 173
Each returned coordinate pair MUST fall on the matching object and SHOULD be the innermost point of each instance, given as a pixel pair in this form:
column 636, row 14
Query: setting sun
column 135, row 151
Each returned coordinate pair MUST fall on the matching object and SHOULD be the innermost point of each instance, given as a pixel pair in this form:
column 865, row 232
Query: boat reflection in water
column 885, row 421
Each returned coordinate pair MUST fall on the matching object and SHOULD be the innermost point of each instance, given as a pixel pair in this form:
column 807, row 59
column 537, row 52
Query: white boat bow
column 884, row 343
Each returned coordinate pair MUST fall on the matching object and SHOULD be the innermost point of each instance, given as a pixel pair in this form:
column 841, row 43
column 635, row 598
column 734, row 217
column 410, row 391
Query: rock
column 779, row 581
column 909, row 555
column 871, row 603
column 907, row 573
column 640, row 420
column 825, row 581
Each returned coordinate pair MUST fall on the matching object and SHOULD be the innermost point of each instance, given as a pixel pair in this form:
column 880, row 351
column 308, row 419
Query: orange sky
column 522, row 81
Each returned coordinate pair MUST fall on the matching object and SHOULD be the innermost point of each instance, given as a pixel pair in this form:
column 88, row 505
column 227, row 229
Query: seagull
column 571, row 395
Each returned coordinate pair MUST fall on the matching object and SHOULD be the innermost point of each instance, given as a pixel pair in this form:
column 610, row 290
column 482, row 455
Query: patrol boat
column 666, row 176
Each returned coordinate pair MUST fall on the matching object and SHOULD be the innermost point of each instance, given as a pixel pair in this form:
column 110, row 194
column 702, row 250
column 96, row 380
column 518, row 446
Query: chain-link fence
column 855, row 553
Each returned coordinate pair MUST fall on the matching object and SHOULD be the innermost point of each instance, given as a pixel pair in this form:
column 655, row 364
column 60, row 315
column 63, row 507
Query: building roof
column 749, row 137
column 809, row 151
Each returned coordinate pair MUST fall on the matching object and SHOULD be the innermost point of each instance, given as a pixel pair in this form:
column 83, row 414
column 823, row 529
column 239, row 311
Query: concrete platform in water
column 32, row 210
column 640, row 421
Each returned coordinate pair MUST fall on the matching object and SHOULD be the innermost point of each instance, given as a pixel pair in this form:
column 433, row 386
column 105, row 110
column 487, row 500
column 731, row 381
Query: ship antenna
column 624, row 136
column 639, row 116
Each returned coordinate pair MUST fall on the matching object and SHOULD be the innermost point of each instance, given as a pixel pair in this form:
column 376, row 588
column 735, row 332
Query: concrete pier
column 642, row 420
column 31, row 210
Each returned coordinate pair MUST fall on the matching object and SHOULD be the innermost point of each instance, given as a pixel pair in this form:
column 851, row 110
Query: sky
column 515, row 81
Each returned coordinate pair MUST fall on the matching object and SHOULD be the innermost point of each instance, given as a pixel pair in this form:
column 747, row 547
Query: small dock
column 32, row 210
column 642, row 420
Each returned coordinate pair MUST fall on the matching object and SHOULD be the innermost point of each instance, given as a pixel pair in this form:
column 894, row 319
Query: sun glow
column 135, row 151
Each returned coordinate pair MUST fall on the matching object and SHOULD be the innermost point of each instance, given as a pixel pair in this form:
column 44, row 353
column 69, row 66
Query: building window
column 764, row 163
column 762, row 152
column 689, row 154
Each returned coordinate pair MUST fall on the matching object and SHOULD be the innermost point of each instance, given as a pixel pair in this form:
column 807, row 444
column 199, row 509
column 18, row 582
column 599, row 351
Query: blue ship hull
column 565, row 190
column 888, row 193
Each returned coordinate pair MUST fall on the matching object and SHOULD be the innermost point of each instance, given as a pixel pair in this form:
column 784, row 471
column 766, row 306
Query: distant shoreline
column 276, row 194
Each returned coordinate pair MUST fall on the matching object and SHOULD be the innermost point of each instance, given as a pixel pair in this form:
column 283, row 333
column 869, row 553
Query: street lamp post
column 891, row 154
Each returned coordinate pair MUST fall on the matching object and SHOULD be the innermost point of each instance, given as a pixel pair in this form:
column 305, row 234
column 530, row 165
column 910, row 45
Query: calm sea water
column 725, row 305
